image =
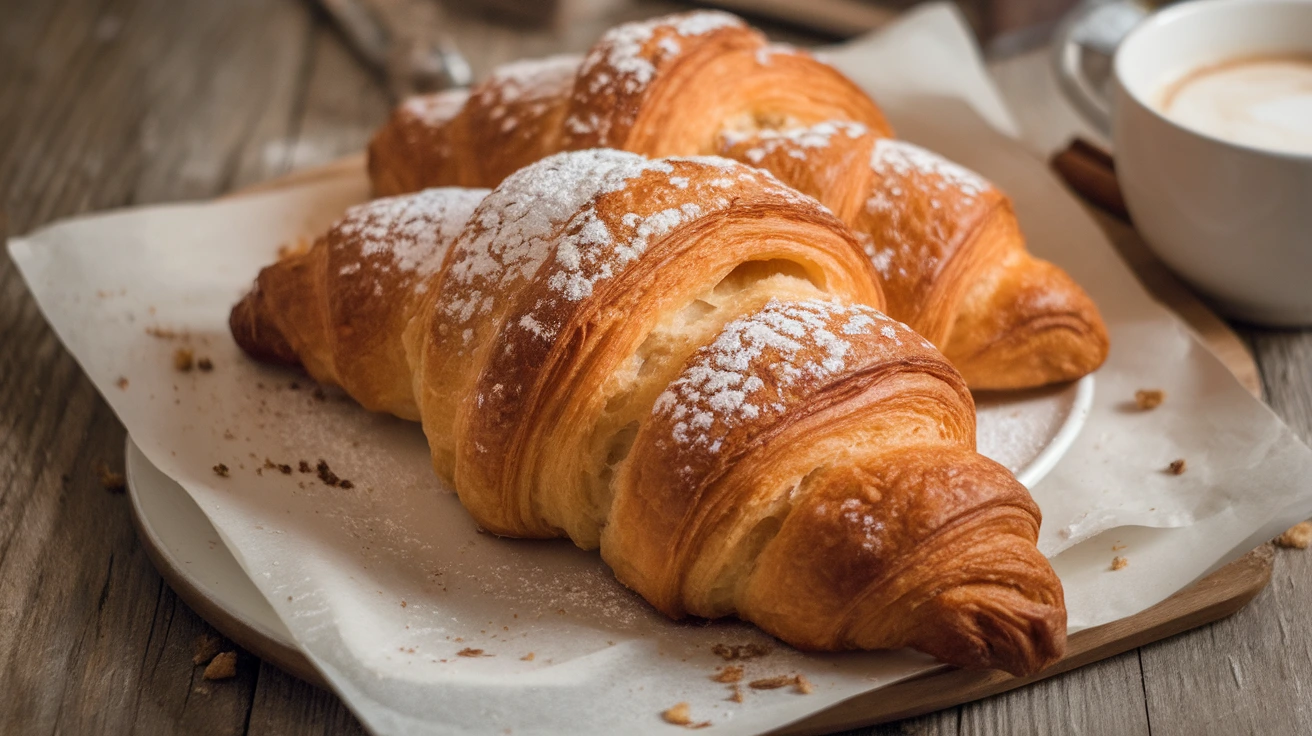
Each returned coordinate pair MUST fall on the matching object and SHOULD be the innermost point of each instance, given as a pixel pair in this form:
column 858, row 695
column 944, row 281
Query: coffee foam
column 1265, row 102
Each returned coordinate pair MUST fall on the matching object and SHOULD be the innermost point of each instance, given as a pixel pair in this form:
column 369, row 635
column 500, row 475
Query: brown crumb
column 1176, row 467
column 1299, row 536
column 678, row 714
column 163, row 333
column 773, row 683
column 328, row 477
column 728, row 673
column 305, row 467
column 122, row 383
column 221, row 470
column 318, row 394
column 403, row 603
column 730, row 653
column 737, row 695
column 182, row 360
column 803, row 685
column 1149, row 398
column 346, row 484
column 1119, row 563
column 222, row 667
column 205, row 648
column 110, row 480
column 527, row 657
column 205, row 364
column 470, row 652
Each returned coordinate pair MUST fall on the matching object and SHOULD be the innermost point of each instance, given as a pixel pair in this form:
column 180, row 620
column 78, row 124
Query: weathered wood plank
column 109, row 103
column 1251, row 673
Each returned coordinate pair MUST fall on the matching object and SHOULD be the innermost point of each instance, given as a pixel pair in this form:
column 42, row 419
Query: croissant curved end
column 257, row 335
column 990, row 625
column 1040, row 328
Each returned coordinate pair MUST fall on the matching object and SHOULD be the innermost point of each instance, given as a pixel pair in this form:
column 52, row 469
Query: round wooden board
column 1216, row 596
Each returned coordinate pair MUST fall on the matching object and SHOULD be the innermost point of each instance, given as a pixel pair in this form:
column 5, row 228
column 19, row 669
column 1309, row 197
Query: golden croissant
column 947, row 244
column 680, row 362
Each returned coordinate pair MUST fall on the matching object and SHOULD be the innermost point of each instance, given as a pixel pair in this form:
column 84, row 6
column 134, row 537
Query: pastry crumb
column 205, row 364
column 205, row 648
column 679, row 714
column 1298, row 536
column 110, row 480
column 1176, row 467
column 803, row 685
column 1149, row 398
column 728, row 673
column 737, row 695
column 182, row 360
column 527, row 657
column 471, row 652
column 122, row 383
column 773, row 683
column 1119, row 563
column 729, row 652
column 222, row 667
column 305, row 467
column 221, row 470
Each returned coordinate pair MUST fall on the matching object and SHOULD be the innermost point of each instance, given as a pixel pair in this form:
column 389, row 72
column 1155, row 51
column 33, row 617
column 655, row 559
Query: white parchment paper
column 384, row 583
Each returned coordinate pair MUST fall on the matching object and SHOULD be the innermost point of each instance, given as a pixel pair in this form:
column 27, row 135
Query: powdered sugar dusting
column 786, row 342
column 527, row 88
column 624, row 61
column 512, row 233
column 409, row 234
column 436, row 110
column 793, row 140
column 894, row 157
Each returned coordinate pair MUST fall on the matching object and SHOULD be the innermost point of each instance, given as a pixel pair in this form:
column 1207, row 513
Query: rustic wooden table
column 108, row 103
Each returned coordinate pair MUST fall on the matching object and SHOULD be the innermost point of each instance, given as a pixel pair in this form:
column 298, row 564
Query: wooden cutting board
column 1212, row 598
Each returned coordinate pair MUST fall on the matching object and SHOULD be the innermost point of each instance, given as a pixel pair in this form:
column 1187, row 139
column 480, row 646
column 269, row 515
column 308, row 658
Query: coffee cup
column 1211, row 119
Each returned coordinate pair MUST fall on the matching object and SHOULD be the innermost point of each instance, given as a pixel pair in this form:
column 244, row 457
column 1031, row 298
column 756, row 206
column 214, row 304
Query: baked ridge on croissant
column 674, row 361
column 953, row 258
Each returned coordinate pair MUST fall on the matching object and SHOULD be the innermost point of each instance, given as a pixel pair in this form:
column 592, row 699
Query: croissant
column 677, row 361
column 949, row 252
column 946, row 242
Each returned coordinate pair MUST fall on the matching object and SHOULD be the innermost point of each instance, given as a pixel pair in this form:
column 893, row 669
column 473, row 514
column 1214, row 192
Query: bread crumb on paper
column 222, row 667
column 471, row 652
column 1176, row 467
column 1149, row 398
column 182, row 360
column 221, row 470
column 737, row 695
column 680, row 714
column 773, row 683
column 731, row 652
column 122, row 383
column 527, row 657
column 804, row 685
column 1119, row 563
column 205, row 364
column 1298, row 536
column 728, row 673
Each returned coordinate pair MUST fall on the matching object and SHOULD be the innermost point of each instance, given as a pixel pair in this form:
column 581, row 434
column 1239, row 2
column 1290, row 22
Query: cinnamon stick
column 1091, row 172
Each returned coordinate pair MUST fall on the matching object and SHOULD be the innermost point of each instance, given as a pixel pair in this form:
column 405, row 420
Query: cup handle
column 1093, row 26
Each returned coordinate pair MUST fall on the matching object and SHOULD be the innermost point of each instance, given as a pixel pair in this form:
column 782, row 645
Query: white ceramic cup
column 1235, row 221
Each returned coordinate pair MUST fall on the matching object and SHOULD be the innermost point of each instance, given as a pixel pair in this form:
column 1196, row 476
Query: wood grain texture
column 106, row 103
